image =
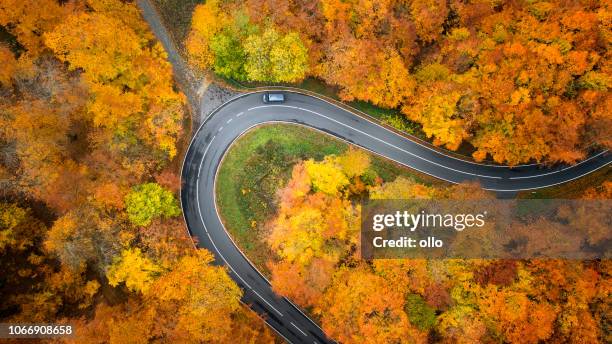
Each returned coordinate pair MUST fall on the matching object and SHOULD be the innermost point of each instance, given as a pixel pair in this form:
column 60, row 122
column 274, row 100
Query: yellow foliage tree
column 298, row 237
column 130, row 79
column 326, row 176
column 367, row 72
column 26, row 19
column 354, row 162
column 207, row 20
column 196, row 300
column 99, row 53
column 134, row 269
column 401, row 188
column 440, row 119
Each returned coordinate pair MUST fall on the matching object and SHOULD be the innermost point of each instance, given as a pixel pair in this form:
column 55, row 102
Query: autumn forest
column 89, row 223
column 94, row 128
column 519, row 80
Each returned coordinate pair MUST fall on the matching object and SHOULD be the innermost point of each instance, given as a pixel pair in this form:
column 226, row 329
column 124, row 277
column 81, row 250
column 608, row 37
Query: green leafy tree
column 227, row 47
column 289, row 59
column 229, row 55
column 274, row 57
column 258, row 63
column 149, row 201
column 419, row 313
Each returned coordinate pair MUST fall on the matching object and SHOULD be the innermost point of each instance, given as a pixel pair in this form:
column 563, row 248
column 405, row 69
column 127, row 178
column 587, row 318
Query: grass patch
column 372, row 110
column 255, row 168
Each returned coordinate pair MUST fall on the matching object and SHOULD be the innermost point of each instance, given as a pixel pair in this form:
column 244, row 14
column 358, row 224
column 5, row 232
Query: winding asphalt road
column 227, row 123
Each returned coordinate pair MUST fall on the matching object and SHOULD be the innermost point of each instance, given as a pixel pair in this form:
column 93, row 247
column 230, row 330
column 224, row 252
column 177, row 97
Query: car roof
column 276, row 96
